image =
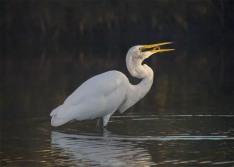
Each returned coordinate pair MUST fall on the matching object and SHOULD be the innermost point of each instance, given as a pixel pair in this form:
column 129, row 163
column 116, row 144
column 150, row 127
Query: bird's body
column 103, row 94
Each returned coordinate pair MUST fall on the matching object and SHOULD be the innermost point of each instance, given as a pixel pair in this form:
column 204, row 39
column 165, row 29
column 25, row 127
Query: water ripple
column 99, row 150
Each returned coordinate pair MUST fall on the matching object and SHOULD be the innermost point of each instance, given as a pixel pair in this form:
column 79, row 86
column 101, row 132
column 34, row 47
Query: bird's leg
column 106, row 119
column 98, row 123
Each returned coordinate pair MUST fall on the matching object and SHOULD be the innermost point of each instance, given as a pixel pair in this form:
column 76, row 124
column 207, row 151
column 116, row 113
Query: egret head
column 142, row 52
column 137, row 54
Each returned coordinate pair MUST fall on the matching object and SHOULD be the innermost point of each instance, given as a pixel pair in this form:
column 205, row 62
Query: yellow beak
column 155, row 48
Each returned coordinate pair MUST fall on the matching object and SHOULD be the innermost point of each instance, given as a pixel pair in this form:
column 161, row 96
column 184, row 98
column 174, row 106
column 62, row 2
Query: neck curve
column 137, row 92
column 137, row 69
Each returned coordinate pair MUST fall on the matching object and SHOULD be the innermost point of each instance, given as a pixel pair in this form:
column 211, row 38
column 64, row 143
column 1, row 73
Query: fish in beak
column 155, row 48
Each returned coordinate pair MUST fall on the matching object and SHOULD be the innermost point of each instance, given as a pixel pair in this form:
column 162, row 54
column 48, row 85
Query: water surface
column 129, row 140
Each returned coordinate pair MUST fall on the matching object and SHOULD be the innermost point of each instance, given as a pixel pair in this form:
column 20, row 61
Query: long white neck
column 141, row 71
column 137, row 92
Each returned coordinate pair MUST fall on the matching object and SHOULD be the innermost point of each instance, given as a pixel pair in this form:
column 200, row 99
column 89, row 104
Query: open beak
column 155, row 48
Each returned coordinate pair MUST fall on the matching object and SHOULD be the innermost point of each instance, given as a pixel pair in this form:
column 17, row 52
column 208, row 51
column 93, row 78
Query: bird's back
column 96, row 97
column 97, row 87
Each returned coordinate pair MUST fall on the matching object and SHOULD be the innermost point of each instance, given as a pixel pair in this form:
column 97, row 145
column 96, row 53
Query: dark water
column 129, row 140
column 185, row 120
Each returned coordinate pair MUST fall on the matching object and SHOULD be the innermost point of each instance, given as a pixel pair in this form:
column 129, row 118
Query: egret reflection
column 100, row 150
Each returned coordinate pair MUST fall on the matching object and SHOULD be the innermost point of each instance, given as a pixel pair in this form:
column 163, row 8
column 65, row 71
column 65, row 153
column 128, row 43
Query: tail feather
column 55, row 111
column 64, row 114
column 61, row 115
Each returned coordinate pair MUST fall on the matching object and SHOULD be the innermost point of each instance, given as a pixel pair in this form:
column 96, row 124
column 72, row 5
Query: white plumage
column 102, row 95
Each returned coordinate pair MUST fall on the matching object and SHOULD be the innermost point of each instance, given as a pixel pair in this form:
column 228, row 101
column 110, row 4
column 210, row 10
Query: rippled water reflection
column 104, row 150
column 129, row 140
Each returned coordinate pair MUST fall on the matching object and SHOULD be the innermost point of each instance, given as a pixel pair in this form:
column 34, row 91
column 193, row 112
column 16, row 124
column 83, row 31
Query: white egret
column 102, row 95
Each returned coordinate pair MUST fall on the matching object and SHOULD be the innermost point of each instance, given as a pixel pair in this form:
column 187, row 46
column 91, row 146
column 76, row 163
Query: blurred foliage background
column 50, row 47
column 102, row 23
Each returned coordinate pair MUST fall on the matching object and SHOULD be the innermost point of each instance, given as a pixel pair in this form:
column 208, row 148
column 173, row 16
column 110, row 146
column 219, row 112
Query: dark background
column 48, row 48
